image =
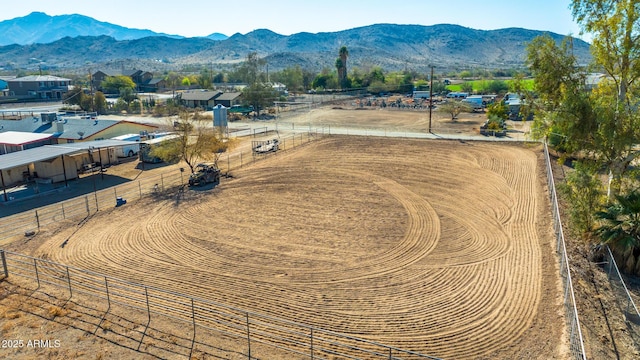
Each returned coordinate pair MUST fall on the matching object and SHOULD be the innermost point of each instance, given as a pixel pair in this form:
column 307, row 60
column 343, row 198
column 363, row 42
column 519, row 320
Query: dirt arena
column 439, row 247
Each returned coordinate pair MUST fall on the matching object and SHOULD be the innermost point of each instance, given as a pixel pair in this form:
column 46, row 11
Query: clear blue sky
column 203, row 17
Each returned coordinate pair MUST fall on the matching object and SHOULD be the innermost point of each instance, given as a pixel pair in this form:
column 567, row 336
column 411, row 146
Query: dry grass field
column 439, row 247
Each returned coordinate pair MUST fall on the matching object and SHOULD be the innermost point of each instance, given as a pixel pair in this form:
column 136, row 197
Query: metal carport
column 26, row 157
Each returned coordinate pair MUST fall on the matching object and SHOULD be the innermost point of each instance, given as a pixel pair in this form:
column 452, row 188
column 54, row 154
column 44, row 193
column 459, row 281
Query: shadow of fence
column 165, row 324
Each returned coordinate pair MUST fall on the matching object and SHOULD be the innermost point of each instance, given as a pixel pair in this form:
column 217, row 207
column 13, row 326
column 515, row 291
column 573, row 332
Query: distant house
column 4, row 85
column 139, row 77
column 205, row 99
column 229, row 99
column 66, row 130
column 153, row 85
column 39, row 87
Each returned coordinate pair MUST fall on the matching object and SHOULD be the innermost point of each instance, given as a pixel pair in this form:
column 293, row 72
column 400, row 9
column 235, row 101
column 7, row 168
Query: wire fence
column 204, row 326
column 576, row 341
column 624, row 300
column 153, row 187
column 84, row 206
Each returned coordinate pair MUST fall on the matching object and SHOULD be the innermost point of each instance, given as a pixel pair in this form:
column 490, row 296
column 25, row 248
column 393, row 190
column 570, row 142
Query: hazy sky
column 200, row 18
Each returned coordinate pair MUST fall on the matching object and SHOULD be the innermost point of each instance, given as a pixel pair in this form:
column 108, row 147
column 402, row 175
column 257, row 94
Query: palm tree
column 342, row 63
column 621, row 222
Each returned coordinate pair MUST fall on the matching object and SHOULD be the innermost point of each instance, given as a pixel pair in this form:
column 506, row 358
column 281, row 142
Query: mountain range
column 76, row 42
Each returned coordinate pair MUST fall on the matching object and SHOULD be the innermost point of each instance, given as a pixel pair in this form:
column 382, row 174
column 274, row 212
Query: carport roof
column 47, row 152
column 42, row 153
column 96, row 144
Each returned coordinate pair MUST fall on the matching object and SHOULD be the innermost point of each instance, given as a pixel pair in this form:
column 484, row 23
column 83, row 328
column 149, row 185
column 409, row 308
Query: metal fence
column 624, row 300
column 153, row 186
column 86, row 205
column 576, row 342
column 203, row 326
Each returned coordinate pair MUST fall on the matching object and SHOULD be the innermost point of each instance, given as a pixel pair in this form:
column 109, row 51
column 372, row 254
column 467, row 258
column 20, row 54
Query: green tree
column 250, row 71
column 173, row 80
column 259, row 95
column 584, row 191
column 465, row 74
column 99, row 103
column 439, row 87
column 218, row 78
column 325, row 80
column 74, row 96
column 292, row 77
column 205, row 79
column 196, row 142
column 498, row 110
column 454, row 108
column 341, row 66
column 467, row 87
column 114, row 84
column 497, row 87
column 127, row 95
column 602, row 122
column 376, row 74
column 185, row 81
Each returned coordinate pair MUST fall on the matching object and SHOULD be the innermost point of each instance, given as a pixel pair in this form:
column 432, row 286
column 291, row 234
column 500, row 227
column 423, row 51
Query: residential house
column 153, row 85
column 12, row 141
column 139, row 77
column 4, row 82
column 69, row 130
column 229, row 99
column 205, row 99
column 39, row 87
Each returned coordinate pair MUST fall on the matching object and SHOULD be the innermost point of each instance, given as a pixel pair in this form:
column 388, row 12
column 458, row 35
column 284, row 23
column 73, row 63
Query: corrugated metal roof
column 96, row 144
column 47, row 152
column 21, row 138
column 42, row 153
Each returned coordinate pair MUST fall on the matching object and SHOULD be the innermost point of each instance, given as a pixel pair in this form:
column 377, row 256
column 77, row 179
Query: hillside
column 390, row 46
column 40, row 28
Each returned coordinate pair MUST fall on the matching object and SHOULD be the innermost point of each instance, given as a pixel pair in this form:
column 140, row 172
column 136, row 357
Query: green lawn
column 477, row 85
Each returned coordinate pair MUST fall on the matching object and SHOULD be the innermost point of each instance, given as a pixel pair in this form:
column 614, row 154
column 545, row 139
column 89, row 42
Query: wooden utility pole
column 430, row 96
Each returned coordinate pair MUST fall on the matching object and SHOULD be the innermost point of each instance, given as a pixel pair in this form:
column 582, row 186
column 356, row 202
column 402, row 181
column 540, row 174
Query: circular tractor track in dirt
column 430, row 246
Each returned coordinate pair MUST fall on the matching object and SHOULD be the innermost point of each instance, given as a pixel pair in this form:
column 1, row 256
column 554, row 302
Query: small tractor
column 204, row 174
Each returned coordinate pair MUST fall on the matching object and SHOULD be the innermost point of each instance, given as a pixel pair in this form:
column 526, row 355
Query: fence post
column 35, row 265
column 69, row 281
column 193, row 316
column 248, row 337
column 37, row 220
column 106, row 286
column 86, row 203
column 311, row 343
column 146, row 295
column 4, row 263
column 228, row 164
column 140, row 189
column 240, row 159
column 63, row 215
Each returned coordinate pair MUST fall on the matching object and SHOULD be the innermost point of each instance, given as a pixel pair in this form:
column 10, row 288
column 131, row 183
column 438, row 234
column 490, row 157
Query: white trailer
column 476, row 101
column 128, row 150
column 421, row 95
